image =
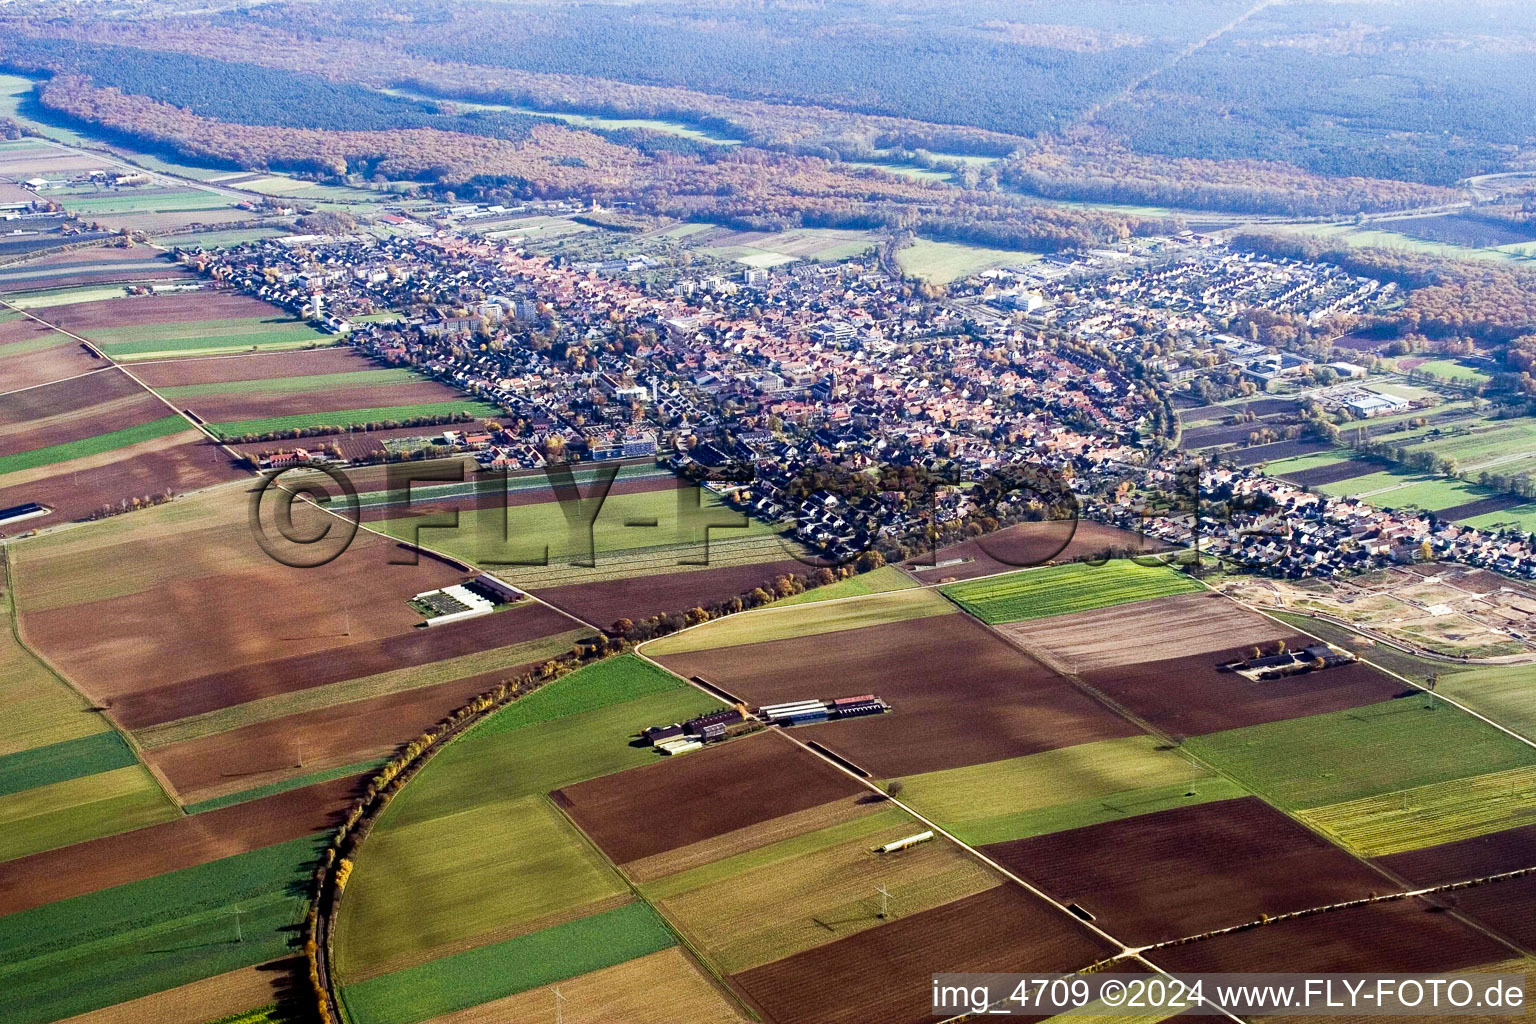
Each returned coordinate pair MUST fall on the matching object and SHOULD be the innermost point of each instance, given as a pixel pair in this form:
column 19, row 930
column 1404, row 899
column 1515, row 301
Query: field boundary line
column 685, row 942
column 61, row 380
column 91, row 705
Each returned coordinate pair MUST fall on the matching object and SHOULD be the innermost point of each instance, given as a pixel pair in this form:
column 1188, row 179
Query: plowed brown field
column 1400, row 937
column 672, row 804
column 961, row 695
column 1189, row 696
column 170, row 373
column 1163, row 876
column 603, row 603
column 281, row 748
column 885, row 974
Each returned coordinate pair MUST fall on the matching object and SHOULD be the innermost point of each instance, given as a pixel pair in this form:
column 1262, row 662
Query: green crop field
column 1441, row 812
column 1059, row 789
column 53, row 339
column 766, row 624
column 1347, row 755
column 343, row 419
column 1094, row 810
column 1521, row 517
column 44, row 298
column 110, row 441
column 59, row 762
column 1056, row 590
column 1315, row 460
column 78, row 809
column 641, row 525
column 144, row 202
column 490, row 972
column 469, row 876
column 1450, row 369
column 107, row 947
column 883, row 580
column 481, row 769
column 943, row 262
column 483, row 796
column 1401, row 488
column 322, row 382
column 274, row 338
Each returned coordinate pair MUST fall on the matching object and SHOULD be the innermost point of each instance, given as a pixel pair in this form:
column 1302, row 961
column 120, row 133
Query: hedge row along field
column 1055, row 590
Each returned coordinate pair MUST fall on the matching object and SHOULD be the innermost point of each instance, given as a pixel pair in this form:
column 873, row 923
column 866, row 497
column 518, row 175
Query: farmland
column 1150, row 630
column 407, row 904
column 501, row 969
column 179, row 324
column 1430, row 815
column 657, row 529
column 1144, row 882
column 1001, row 929
column 912, row 665
column 1055, row 590
column 69, row 957
column 1060, row 789
column 764, row 625
column 1409, row 936
column 96, row 440
column 1367, row 751
column 624, row 992
column 1191, row 695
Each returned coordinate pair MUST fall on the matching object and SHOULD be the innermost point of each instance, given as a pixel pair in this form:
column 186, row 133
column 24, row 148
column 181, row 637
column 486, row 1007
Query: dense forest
column 747, row 187
column 231, row 59
column 242, row 93
column 1418, row 90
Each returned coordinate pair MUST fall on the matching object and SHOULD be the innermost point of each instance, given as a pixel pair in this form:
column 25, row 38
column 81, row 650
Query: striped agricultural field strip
column 273, row 788
column 362, row 688
column 290, row 336
column 294, row 385
column 1442, row 812
column 529, row 961
column 356, row 417
column 58, row 762
column 46, row 297
column 194, row 330
column 107, row 442
column 40, row 710
column 803, row 620
column 52, row 339
column 132, row 940
column 81, row 809
column 660, row 988
column 1056, row 590
column 879, row 581
column 1095, row 810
